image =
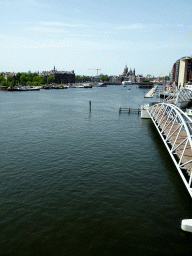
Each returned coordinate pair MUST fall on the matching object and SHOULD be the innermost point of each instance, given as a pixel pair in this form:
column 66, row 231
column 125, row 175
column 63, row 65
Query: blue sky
column 81, row 35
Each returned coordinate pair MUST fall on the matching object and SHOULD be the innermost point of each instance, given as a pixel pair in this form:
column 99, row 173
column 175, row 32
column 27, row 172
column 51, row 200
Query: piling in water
column 90, row 105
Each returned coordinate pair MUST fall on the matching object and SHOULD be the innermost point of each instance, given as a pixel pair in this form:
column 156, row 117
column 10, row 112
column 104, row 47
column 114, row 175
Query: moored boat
column 33, row 88
column 126, row 83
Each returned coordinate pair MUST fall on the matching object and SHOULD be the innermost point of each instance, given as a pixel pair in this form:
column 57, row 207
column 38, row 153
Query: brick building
column 61, row 77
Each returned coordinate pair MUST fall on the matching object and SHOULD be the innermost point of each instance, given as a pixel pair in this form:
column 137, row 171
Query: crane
column 95, row 69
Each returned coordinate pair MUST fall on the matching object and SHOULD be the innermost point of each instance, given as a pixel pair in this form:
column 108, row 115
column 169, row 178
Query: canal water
column 81, row 182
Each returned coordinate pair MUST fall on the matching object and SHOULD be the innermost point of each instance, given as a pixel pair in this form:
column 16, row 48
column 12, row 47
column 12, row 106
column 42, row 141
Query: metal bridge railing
column 179, row 96
column 175, row 129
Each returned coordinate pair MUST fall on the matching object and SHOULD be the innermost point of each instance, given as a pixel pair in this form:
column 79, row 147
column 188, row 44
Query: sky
column 84, row 35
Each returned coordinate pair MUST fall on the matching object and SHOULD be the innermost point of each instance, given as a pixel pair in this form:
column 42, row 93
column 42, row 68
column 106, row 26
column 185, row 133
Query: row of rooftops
column 43, row 73
column 52, row 72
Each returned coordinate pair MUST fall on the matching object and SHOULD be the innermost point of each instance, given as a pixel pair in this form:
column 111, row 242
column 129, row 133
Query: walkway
column 175, row 129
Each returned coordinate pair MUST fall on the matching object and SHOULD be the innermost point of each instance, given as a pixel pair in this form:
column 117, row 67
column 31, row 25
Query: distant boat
column 22, row 89
column 33, row 88
column 126, row 82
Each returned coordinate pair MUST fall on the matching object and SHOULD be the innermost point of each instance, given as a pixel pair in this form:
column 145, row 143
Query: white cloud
column 34, row 3
column 140, row 26
column 27, row 45
column 133, row 26
column 60, row 24
column 46, row 30
column 29, row 3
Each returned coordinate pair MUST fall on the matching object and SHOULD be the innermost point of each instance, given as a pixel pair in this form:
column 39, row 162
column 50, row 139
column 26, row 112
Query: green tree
column 38, row 79
column 29, row 78
column 2, row 79
column 50, row 79
column 34, row 83
column 146, row 80
column 102, row 77
column 10, row 79
column 10, row 83
column 23, row 79
column 3, row 83
column 106, row 78
column 34, row 74
column 18, row 75
column 77, row 79
column 28, row 83
column 83, row 78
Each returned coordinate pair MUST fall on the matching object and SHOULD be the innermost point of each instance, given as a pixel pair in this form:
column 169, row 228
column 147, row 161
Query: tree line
column 35, row 79
column 26, row 79
column 81, row 79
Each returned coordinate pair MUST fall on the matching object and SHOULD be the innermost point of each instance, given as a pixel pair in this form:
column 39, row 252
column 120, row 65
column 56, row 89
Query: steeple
column 125, row 70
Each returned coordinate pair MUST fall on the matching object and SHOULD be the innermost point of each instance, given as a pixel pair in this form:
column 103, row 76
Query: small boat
column 33, row 88
column 126, row 82
column 189, row 112
column 22, row 89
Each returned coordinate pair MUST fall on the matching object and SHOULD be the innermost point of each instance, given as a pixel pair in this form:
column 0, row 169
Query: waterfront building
column 61, row 77
column 95, row 79
column 139, row 78
column 115, row 79
column 182, row 71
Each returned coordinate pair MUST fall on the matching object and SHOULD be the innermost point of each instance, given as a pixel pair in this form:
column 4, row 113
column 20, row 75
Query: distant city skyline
column 82, row 35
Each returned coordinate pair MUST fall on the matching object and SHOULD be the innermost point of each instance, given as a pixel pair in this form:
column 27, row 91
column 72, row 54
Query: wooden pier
column 130, row 110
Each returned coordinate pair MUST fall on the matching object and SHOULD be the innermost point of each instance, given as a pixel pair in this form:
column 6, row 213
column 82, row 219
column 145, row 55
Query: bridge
column 175, row 129
column 180, row 98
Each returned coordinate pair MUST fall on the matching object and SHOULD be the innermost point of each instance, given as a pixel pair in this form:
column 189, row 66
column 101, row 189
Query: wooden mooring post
column 90, row 105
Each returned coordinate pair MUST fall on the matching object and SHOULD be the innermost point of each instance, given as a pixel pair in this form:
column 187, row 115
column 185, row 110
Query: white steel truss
column 175, row 129
column 179, row 96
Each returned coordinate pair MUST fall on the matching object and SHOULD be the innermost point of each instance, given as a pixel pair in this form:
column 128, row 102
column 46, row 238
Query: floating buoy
column 186, row 225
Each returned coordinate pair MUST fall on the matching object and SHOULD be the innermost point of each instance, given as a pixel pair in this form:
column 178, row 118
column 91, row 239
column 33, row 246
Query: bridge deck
column 176, row 139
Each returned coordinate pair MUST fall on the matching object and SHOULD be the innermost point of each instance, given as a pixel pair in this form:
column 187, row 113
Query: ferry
column 126, row 83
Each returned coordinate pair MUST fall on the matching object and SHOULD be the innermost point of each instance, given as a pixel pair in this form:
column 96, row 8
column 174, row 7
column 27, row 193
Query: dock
column 130, row 110
column 151, row 93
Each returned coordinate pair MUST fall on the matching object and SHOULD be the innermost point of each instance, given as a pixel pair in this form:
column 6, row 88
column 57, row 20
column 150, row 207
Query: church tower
column 125, row 71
